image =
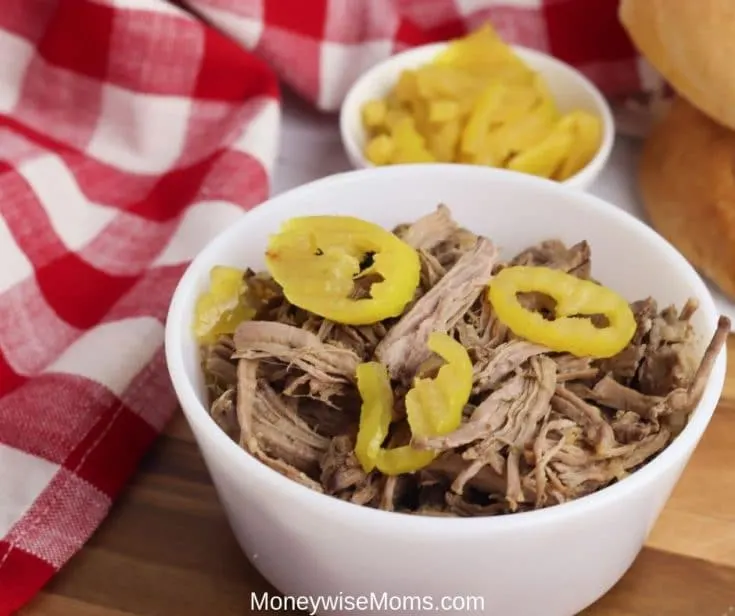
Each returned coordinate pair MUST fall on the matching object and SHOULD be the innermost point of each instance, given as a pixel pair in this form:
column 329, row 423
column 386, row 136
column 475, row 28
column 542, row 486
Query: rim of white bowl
column 181, row 310
column 350, row 107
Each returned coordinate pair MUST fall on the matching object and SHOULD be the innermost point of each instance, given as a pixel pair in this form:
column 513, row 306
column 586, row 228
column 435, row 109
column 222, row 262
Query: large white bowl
column 551, row 562
column 570, row 88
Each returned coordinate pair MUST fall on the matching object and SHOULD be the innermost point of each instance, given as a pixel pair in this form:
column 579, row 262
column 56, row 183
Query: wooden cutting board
column 166, row 548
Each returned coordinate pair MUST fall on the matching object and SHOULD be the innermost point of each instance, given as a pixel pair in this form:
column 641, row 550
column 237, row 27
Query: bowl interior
column 513, row 210
column 568, row 86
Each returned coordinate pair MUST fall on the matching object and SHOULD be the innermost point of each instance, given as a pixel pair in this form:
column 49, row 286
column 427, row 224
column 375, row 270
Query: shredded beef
column 540, row 427
column 404, row 346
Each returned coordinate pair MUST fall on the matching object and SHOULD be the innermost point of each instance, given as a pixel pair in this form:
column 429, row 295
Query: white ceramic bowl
column 570, row 88
column 551, row 562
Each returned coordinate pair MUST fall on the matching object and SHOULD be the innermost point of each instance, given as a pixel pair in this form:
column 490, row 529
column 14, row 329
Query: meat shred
column 541, row 428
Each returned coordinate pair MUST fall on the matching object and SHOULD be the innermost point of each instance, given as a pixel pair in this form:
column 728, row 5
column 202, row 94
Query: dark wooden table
column 166, row 548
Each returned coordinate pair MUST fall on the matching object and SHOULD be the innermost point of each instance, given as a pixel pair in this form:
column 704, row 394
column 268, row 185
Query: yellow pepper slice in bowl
column 318, row 259
column 574, row 298
column 433, row 407
column 222, row 307
column 375, row 390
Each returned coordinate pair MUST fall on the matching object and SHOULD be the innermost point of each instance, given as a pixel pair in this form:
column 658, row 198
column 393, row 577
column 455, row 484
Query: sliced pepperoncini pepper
column 433, row 407
column 222, row 307
column 317, row 259
column 377, row 409
column 574, row 297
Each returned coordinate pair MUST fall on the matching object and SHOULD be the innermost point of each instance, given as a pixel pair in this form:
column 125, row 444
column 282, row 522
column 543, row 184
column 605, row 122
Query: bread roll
column 692, row 44
column 687, row 183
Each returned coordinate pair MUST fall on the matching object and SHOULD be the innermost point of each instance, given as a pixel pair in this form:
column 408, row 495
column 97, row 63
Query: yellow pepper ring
column 574, row 297
column 316, row 260
column 433, row 407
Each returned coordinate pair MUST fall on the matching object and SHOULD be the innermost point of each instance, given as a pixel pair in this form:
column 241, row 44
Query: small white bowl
column 550, row 562
column 570, row 88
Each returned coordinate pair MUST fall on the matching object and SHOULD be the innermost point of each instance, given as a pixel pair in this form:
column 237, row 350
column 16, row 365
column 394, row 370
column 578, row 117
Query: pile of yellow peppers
column 316, row 260
column 479, row 103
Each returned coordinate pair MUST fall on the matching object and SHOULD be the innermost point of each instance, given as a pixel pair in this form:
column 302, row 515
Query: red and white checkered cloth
column 131, row 132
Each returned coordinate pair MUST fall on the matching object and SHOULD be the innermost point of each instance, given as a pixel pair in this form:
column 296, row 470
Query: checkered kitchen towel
column 131, row 132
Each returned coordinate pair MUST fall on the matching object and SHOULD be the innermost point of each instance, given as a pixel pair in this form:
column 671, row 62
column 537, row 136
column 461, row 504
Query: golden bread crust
column 692, row 44
column 687, row 184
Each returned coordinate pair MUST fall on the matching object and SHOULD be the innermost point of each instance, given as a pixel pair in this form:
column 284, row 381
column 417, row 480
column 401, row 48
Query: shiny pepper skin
column 574, row 298
column 433, row 407
column 318, row 259
column 222, row 306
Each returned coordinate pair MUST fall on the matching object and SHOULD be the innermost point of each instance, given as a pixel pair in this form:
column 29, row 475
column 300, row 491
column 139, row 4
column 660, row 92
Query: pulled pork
column 540, row 428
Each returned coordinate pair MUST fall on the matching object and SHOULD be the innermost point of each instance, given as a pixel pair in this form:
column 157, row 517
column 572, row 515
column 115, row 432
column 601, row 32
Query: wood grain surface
column 166, row 548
